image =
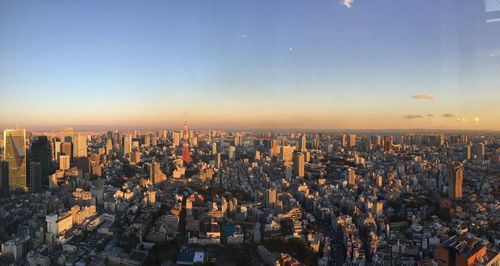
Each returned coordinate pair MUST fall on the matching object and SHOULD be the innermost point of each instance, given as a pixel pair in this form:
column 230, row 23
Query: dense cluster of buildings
column 280, row 198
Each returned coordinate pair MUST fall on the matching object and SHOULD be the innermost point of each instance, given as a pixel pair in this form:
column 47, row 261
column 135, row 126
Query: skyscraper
column 41, row 152
column 79, row 145
column 352, row 140
column 14, row 154
column 67, row 149
column 232, row 152
column 217, row 161
column 271, row 197
column 127, row 144
column 387, row 143
column 298, row 164
column 214, row 148
column 64, row 162
column 155, row 173
column 303, row 142
column 343, row 140
column 456, row 177
column 66, row 134
column 35, row 177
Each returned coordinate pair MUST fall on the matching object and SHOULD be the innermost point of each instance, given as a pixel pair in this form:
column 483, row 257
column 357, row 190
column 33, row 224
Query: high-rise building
column 35, row 177
column 214, row 148
column 64, row 162
column 479, row 152
column 155, row 174
column 387, row 143
column 109, row 146
column 351, row 176
column 67, row 149
column 298, row 164
column 232, row 152
column 79, row 145
column 14, row 154
column 135, row 157
column 41, row 152
column 287, row 153
column 56, row 149
column 271, row 197
column 376, row 140
column 343, row 140
column 66, row 134
column 303, row 143
column 468, row 154
column 217, row 161
column 176, row 139
column 456, row 176
column 127, row 144
column 147, row 140
column 352, row 140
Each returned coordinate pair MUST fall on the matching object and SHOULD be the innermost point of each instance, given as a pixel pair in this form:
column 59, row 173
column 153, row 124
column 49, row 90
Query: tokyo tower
column 186, row 156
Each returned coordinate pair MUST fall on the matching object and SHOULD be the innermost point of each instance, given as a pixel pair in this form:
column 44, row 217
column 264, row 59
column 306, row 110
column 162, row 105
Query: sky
column 322, row 64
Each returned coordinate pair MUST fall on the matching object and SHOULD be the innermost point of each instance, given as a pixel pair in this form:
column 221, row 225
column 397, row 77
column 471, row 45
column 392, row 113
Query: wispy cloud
column 495, row 53
column 413, row 116
column 346, row 3
column 448, row 115
column 241, row 34
column 430, row 115
column 421, row 96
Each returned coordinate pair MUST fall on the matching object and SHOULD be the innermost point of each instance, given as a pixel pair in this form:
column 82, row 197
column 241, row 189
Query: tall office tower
column 155, row 173
column 286, row 154
column 186, row 156
column 127, row 144
column 164, row 135
column 4, row 181
column 147, row 140
column 109, row 146
column 66, row 134
column 41, row 152
column 79, row 145
column 303, row 142
column 154, row 140
column 135, row 157
column 271, row 197
column 479, row 152
column 387, row 143
column 376, row 140
column 352, row 140
column 351, row 176
column 275, row 148
column 366, row 144
column 14, row 154
column 56, row 149
column 298, row 164
column 468, row 152
column 35, row 177
column 214, row 148
column 177, row 139
column 67, row 149
column 217, row 161
column 343, row 140
column 232, row 152
column 456, row 177
column 64, row 162
column 257, row 155
column 236, row 140
column 117, row 137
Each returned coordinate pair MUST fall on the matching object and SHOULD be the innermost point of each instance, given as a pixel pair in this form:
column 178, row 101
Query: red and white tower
column 186, row 156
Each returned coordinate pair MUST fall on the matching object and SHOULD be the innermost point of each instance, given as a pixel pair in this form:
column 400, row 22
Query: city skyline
column 404, row 65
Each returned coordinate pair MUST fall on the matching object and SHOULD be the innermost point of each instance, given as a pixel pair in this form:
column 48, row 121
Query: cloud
column 448, row 115
column 346, row 3
column 241, row 34
column 421, row 96
column 495, row 53
column 413, row 116
column 430, row 115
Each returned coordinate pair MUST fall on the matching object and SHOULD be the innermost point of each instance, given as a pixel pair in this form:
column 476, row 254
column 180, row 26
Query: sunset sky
column 362, row 64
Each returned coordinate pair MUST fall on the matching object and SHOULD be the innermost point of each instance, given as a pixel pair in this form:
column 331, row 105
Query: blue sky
column 291, row 64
